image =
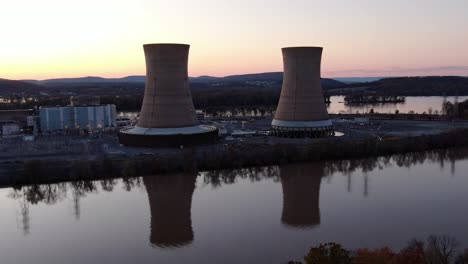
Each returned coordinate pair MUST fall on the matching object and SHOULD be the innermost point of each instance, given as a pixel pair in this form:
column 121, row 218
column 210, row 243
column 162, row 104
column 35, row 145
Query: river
column 258, row 215
column 417, row 104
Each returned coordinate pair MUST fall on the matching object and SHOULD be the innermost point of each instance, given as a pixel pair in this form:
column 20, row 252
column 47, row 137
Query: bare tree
column 440, row 249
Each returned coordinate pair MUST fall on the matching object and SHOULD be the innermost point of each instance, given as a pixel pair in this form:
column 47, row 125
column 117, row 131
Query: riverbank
column 37, row 171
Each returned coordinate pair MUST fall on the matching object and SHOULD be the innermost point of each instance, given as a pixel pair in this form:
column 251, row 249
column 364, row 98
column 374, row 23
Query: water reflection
column 170, row 196
column 417, row 104
column 32, row 195
column 217, row 178
column 301, row 191
column 170, row 200
column 51, row 194
column 407, row 160
column 79, row 190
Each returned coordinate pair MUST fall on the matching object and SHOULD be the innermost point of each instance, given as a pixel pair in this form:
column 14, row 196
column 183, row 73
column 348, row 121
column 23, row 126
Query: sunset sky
column 63, row 38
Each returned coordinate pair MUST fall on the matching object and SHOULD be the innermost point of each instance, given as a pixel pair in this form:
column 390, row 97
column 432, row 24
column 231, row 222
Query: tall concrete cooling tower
column 167, row 117
column 301, row 110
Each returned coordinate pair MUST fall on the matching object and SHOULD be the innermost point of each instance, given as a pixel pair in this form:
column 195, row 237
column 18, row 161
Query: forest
column 409, row 86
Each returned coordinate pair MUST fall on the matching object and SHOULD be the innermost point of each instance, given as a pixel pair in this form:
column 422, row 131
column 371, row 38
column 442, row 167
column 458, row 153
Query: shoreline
column 37, row 171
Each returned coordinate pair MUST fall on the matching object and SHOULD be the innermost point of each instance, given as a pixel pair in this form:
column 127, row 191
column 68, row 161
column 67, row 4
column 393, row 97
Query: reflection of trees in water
column 347, row 167
column 33, row 195
column 47, row 194
column 108, row 184
column 407, row 160
column 401, row 160
column 217, row 178
column 81, row 189
column 132, row 183
column 50, row 194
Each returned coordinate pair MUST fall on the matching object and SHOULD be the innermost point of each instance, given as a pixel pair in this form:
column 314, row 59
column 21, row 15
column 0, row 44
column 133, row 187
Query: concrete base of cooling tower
column 168, row 137
column 302, row 129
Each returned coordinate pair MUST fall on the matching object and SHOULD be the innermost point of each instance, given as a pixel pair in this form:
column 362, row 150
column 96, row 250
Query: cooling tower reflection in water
column 253, row 215
column 301, row 191
column 170, row 199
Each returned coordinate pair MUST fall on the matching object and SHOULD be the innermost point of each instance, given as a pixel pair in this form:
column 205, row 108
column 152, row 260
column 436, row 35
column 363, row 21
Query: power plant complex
column 301, row 110
column 167, row 117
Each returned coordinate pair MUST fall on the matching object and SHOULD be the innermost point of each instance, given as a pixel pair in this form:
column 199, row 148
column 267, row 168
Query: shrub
column 329, row 253
column 374, row 256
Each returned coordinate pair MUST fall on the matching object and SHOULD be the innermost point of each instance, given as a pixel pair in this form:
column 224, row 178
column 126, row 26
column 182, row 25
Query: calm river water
column 259, row 215
column 418, row 104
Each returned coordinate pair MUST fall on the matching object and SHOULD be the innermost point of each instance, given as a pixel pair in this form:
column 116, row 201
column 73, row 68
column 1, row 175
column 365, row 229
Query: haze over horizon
column 363, row 38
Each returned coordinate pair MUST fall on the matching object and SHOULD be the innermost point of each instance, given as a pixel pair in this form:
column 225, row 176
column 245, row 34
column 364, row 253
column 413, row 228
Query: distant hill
column 274, row 77
column 422, row 86
column 410, row 86
column 7, row 87
column 204, row 78
column 405, row 86
column 266, row 76
column 331, row 83
column 348, row 80
column 86, row 80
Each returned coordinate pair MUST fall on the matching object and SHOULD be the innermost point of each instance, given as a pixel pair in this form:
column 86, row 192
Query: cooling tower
column 301, row 110
column 301, row 193
column 167, row 117
column 170, row 200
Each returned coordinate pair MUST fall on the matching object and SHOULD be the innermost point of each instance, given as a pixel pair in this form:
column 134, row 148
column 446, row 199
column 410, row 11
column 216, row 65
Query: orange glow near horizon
column 58, row 39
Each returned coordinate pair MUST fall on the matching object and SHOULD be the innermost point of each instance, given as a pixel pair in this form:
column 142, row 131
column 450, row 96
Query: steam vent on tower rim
column 167, row 117
column 301, row 110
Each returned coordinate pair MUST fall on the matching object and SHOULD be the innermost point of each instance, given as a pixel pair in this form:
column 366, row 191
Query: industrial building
column 77, row 117
column 301, row 110
column 167, row 117
column 14, row 122
column 8, row 129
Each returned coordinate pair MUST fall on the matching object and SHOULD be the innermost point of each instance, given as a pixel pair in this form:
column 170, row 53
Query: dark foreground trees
column 328, row 253
column 436, row 250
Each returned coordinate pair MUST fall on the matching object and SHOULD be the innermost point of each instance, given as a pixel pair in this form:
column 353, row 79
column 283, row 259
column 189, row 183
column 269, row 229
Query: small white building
column 10, row 129
column 243, row 133
column 200, row 114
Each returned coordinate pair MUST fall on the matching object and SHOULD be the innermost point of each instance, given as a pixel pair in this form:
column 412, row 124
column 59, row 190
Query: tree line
column 435, row 250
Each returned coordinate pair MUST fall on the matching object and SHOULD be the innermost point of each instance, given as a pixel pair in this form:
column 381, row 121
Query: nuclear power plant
column 301, row 110
column 167, row 117
column 301, row 194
